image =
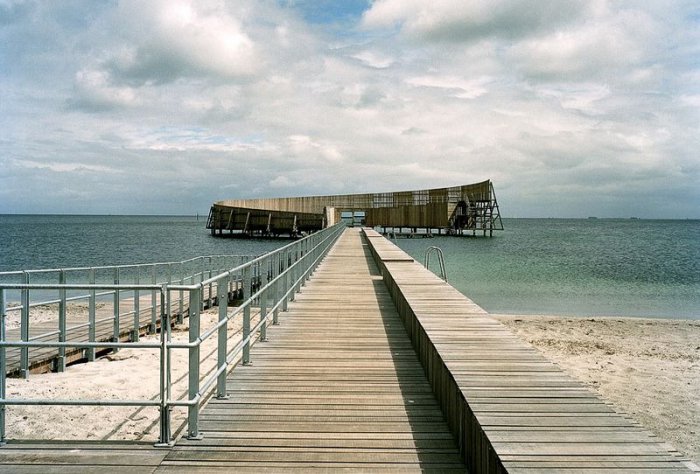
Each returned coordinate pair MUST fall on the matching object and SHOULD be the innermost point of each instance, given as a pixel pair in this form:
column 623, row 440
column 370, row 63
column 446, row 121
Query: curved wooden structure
column 456, row 209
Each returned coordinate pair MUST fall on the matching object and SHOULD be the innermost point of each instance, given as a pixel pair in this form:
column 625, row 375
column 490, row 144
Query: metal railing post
column 195, row 297
column 222, row 296
column 285, row 280
column 92, row 309
column 164, row 439
column 263, row 317
column 305, row 265
column 297, row 272
column 61, row 360
column 201, row 280
column 137, row 309
column 276, row 288
column 168, row 293
column 115, row 335
column 24, row 328
column 246, row 314
column 210, row 300
column 233, row 282
column 152, row 329
column 293, row 274
column 3, row 366
column 181, row 294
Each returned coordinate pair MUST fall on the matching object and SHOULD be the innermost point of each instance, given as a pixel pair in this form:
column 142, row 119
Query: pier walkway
column 336, row 386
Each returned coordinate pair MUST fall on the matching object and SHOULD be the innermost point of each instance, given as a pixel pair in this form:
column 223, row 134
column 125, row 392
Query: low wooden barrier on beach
column 509, row 408
column 45, row 359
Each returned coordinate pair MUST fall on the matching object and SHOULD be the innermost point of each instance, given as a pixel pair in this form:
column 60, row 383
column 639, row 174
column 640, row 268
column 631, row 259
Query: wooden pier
column 379, row 365
column 457, row 210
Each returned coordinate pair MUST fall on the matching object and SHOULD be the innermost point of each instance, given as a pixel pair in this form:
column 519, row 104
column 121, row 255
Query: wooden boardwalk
column 337, row 386
column 384, row 367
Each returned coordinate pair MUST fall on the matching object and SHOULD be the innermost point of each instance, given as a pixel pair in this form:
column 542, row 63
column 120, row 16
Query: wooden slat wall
column 316, row 204
column 510, row 409
column 427, row 208
column 433, row 215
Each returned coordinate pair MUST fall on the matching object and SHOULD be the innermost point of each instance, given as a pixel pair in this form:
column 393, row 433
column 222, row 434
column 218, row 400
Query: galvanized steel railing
column 267, row 282
column 114, row 279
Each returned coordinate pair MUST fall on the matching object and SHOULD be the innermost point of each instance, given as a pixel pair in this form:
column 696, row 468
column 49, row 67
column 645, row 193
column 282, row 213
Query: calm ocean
column 536, row 266
column 584, row 267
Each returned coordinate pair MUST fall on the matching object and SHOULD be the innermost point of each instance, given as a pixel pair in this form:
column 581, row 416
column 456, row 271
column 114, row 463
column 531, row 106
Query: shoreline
column 542, row 314
column 648, row 368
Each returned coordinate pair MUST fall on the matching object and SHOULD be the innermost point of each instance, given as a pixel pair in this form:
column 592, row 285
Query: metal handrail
column 441, row 260
column 111, row 267
column 268, row 282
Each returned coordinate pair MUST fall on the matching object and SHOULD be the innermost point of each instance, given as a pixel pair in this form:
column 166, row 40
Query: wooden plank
column 48, row 457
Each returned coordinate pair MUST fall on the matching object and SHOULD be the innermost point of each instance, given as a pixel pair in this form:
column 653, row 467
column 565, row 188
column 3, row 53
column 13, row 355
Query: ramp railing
column 265, row 284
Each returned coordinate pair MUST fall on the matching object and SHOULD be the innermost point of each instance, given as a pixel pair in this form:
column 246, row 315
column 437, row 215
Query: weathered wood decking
column 340, row 386
column 337, row 386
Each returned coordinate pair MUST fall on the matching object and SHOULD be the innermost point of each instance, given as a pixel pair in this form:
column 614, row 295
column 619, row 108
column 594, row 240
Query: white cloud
column 461, row 87
column 234, row 99
column 458, row 20
column 598, row 48
column 374, row 59
column 584, row 97
column 94, row 90
column 59, row 167
column 166, row 40
column 281, row 182
column 305, row 148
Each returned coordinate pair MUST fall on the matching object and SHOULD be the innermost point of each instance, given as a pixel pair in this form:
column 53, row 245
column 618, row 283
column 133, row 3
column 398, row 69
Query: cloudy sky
column 572, row 107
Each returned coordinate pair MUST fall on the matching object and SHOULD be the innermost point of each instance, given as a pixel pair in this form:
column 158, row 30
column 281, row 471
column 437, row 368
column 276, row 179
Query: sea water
column 617, row 267
column 584, row 267
column 36, row 241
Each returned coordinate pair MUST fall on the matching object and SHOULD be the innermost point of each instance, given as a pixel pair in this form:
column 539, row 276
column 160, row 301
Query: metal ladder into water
column 441, row 260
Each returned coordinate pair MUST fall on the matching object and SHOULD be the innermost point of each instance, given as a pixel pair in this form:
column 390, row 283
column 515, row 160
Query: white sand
column 45, row 313
column 647, row 368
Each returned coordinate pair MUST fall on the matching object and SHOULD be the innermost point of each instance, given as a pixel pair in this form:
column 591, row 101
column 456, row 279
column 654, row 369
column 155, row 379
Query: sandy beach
column 647, row 368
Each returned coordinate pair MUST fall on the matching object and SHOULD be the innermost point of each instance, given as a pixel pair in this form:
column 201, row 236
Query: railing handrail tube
column 105, row 344
column 78, row 286
column 111, row 267
column 77, row 402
